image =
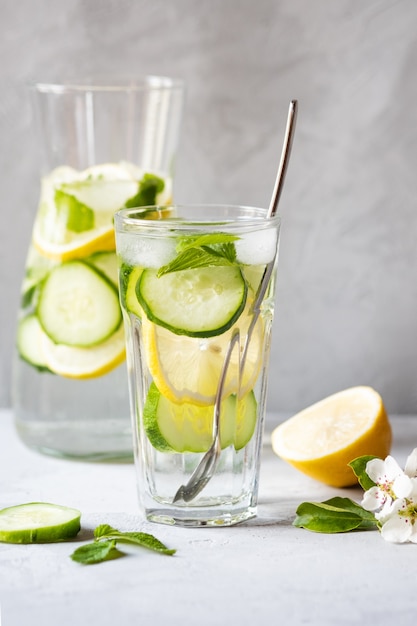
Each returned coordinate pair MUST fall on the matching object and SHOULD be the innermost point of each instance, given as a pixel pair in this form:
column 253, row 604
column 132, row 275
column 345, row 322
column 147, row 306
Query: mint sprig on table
column 202, row 251
column 104, row 547
column 339, row 515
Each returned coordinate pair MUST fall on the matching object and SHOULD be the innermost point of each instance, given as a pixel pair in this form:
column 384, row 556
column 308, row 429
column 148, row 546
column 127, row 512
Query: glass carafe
column 102, row 147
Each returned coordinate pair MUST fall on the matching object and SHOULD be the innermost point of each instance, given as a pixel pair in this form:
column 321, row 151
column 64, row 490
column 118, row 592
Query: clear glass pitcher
column 102, row 147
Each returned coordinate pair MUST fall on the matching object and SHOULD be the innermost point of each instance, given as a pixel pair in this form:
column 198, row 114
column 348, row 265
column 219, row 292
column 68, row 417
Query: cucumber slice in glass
column 106, row 262
column 185, row 427
column 129, row 276
column 38, row 522
column 131, row 299
column 29, row 342
column 78, row 305
column 202, row 302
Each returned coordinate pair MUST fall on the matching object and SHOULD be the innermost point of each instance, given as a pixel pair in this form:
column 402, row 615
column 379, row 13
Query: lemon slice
column 187, row 369
column 74, row 362
column 322, row 439
column 80, row 245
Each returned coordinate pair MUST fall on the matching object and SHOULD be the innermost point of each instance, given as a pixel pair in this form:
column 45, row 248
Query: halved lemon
column 322, row 439
column 187, row 369
column 74, row 362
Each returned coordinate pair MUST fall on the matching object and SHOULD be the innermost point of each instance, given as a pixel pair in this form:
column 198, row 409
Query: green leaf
column 29, row 296
column 75, row 215
column 96, row 552
column 149, row 187
column 103, row 530
column 144, row 540
column 210, row 239
column 192, row 259
column 327, row 518
column 358, row 465
column 216, row 249
column 368, row 518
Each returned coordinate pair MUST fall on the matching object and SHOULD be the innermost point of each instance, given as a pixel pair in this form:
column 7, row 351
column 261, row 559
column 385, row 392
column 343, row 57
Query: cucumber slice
column 38, row 522
column 29, row 342
column 78, row 305
column 106, row 262
column 185, row 427
column 130, row 297
column 129, row 276
column 202, row 302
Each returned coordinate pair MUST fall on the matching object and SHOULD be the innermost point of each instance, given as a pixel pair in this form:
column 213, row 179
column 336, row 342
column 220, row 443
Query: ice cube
column 258, row 247
column 145, row 252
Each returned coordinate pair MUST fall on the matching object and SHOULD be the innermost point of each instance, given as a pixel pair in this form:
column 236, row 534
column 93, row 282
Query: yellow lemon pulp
column 322, row 439
column 74, row 362
column 82, row 245
column 187, row 369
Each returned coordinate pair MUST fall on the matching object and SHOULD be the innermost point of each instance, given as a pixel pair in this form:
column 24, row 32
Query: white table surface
column 263, row 571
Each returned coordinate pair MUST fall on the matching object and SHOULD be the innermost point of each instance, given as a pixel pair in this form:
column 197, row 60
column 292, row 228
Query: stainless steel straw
column 207, row 465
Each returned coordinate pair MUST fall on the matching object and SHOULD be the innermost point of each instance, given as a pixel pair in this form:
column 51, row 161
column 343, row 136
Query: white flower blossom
column 393, row 499
column 411, row 464
column 391, row 483
column 400, row 524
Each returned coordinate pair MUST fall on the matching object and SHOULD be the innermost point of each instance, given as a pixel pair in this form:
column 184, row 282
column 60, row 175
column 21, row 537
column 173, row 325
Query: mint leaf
column 75, row 215
column 149, row 187
column 96, row 552
column 103, row 530
column 144, row 540
column 210, row 239
column 215, row 249
column 359, row 468
column 192, row 259
column 323, row 517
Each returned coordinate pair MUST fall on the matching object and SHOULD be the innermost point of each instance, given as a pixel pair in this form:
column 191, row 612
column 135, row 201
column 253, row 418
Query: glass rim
column 255, row 217
column 108, row 84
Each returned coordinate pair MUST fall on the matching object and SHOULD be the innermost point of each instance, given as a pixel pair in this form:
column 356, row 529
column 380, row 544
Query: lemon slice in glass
column 78, row 246
column 201, row 359
column 59, row 233
column 74, row 362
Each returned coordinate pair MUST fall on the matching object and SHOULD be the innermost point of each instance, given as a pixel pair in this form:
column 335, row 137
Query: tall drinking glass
column 197, row 291
column 102, row 147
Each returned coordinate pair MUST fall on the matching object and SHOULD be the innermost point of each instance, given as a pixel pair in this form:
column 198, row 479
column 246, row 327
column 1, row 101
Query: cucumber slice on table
column 29, row 342
column 78, row 305
column 38, row 522
column 202, row 302
column 185, row 427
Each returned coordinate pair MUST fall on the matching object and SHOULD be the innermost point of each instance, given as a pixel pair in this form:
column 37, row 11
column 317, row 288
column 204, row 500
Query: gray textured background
column 347, row 296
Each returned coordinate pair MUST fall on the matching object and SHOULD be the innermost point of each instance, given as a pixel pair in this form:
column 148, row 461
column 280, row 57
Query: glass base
column 190, row 518
column 76, row 441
